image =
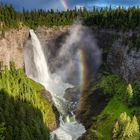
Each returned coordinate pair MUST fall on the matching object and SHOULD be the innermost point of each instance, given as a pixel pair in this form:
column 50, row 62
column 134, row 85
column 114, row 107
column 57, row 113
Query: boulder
column 72, row 94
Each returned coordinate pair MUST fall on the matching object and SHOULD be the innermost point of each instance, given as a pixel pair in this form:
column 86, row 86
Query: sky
column 64, row 4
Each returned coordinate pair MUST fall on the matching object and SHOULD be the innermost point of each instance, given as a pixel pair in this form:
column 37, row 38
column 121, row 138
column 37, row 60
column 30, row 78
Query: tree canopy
column 119, row 18
column 126, row 128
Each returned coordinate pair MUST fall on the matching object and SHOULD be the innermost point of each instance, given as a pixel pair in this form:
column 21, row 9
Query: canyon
column 115, row 54
column 119, row 58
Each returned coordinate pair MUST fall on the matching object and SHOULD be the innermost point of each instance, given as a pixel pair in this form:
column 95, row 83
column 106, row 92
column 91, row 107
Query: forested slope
column 24, row 113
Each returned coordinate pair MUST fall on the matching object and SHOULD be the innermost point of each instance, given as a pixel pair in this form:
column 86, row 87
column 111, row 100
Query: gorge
column 69, row 75
column 54, row 58
column 36, row 68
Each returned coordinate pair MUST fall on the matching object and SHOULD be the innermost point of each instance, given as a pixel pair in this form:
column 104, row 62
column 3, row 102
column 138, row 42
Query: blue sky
column 56, row 4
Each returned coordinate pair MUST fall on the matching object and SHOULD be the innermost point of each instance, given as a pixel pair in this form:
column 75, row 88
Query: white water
column 37, row 69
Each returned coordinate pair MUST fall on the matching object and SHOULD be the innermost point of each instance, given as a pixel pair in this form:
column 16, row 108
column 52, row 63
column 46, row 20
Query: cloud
column 125, row 3
column 79, row 6
column 56, row 4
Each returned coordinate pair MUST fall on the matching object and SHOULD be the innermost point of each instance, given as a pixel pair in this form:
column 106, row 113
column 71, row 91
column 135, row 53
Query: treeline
column 24, row 114
column 119, row 18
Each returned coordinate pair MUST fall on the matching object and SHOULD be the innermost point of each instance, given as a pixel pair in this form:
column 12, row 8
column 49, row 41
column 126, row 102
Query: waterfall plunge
column 37, row 69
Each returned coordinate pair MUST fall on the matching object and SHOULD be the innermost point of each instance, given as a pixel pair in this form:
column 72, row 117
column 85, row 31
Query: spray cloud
column 78, row 57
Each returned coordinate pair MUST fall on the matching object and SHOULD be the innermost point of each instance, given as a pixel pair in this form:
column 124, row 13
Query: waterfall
column 37, row 69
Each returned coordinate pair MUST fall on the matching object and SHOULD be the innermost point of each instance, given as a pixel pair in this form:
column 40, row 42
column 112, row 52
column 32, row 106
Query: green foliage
column 26, row 114
column 111, row 112
column 126, row 128
column 2, row 129
column 130, row 91
column 103, row 125
column 129, row 94
column 136, row 96
column 112, row 84
column 119, row 18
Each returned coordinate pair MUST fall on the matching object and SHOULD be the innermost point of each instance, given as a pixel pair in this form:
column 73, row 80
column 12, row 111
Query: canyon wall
column 115, row 54
column 12, row 46
column 124, row 61
column 12, row 43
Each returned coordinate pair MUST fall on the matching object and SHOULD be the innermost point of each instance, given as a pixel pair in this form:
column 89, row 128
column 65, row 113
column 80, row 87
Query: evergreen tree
column 130, row 91
column 119, row 18
column 2, row 129
column 126, row 128
column 25, row 113
column 129, row 94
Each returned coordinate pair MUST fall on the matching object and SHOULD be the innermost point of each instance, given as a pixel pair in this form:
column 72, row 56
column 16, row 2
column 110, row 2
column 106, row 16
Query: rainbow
column 83, row 68
column 65, row 5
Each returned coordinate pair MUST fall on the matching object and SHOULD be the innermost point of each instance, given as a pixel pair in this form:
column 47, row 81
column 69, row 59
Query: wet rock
column 72, row 94
column 46, row 94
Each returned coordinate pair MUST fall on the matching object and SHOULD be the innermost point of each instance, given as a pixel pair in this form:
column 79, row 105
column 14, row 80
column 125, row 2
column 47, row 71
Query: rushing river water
column 37, row 69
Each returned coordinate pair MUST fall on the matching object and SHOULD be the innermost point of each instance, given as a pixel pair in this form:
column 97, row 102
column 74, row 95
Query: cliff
column 124, row 61
column 114, row 52
column 13, row 41
column 12, row 46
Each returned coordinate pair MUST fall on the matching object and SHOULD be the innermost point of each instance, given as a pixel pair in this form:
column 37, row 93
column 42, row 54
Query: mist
column 66, row 62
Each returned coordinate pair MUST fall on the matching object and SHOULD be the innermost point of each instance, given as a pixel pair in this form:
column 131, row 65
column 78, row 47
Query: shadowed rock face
column 125, row 62
column 94, row 103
